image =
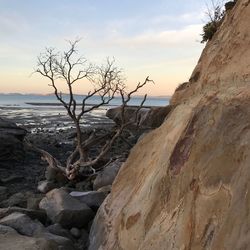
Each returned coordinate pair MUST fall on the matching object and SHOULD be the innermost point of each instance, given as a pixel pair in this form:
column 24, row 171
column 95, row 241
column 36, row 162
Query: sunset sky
column 157, row 38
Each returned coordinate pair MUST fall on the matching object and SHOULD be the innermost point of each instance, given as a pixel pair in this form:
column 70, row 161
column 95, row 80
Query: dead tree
column 107, row 82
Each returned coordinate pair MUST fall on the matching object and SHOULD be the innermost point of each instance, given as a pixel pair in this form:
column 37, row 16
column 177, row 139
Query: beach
column 50, row 128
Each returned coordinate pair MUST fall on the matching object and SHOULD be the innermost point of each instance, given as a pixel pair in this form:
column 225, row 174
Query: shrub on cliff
column 215, row 14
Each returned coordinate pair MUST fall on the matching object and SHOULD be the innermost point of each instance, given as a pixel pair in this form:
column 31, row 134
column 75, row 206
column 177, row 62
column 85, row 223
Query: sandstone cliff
column 186, row 184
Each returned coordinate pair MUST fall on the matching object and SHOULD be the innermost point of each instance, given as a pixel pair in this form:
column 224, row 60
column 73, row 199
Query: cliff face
column 186, row 185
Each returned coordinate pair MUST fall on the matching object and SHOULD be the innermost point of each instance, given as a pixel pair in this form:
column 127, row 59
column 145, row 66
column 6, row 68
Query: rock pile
column 56, row 218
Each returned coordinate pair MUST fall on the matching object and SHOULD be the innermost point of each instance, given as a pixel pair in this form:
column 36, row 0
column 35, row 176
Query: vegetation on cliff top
column 215, row 13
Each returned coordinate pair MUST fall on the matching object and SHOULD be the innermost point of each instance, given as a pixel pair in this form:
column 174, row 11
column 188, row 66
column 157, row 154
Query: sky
column 159, row 39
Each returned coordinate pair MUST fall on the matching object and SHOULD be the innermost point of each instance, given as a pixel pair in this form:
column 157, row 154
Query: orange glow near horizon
column 165, row 82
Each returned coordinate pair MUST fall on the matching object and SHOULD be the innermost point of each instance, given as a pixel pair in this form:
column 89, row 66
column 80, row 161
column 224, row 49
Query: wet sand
column 51, row 119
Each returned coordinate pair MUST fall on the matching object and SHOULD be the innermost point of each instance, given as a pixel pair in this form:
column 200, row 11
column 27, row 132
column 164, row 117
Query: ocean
column 44, row 113
column 24, row 100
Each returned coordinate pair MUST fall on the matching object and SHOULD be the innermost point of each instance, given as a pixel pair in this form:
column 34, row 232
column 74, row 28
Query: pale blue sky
column 157, row 38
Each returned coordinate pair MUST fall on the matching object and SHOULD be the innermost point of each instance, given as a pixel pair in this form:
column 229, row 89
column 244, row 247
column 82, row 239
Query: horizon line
column 52, row 94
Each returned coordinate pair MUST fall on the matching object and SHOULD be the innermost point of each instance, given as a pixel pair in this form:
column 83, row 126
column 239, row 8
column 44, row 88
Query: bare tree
column 107, row 81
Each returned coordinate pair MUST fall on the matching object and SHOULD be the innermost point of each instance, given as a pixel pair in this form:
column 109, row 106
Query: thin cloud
column 166, row 38
column 12, row 23
column 189, row 17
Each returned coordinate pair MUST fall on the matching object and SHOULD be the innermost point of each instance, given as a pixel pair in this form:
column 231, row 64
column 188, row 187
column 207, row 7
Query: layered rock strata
column 186, row 184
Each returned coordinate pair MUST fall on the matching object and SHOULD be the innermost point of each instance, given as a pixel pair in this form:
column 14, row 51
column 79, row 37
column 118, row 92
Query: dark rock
column 22, row 224
column 33, row 201
column 83, row 242
column 107, row 176
column 18, row 199
column 57, row 229
column 11, row 146
column 3, row 193
column 83, row 186
column 6, row 229
column 25, row 226
column 11, row 240
column 63, row 209
column 10, row 128
column 62, row 243
column 93, row 199
column 33, row 214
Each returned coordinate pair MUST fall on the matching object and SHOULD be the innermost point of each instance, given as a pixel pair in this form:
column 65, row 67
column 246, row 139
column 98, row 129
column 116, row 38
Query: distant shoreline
column 78, row 104
column 80, row 95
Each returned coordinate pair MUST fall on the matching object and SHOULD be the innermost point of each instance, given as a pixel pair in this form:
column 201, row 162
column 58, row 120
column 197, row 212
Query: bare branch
column 107, row 80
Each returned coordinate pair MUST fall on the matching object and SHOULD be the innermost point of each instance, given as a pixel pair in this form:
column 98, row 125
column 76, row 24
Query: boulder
column 22, row 224
column 64, row 209
column 11, row 146
column 107, row 175
column 93, row 199
column 11, row 240
column 149, row 117
column 33, row 214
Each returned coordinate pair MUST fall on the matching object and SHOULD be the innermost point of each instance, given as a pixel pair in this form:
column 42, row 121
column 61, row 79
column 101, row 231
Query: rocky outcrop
column 64, row 209
column 149, row 118
column 186, row 184
column 11, row 136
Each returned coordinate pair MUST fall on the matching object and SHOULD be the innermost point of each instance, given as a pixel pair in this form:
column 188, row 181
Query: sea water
column 36, row 112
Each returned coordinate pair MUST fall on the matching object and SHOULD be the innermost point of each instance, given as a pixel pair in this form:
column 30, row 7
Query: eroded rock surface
column 186, row 184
